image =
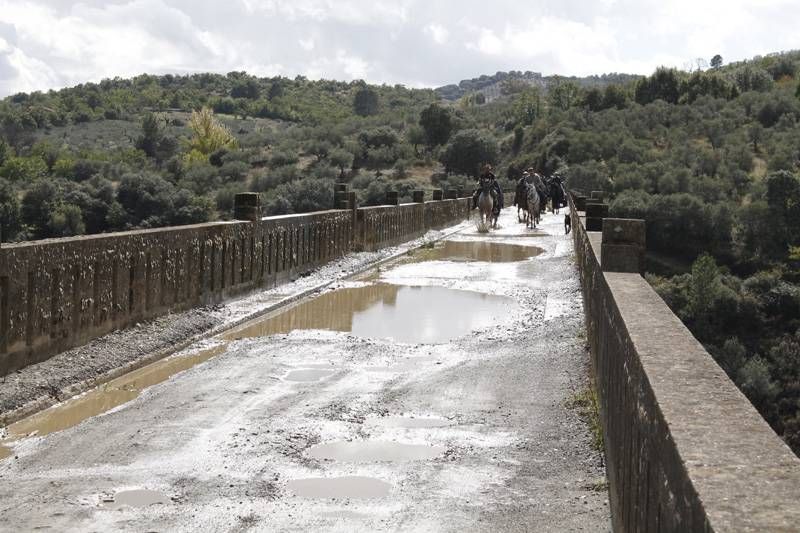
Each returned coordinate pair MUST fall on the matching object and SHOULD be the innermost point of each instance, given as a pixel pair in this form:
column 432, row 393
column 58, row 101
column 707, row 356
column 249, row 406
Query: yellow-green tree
column 208, row 135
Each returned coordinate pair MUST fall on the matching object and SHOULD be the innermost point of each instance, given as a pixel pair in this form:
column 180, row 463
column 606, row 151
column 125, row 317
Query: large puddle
column 486, row 251
column 374, row 451
column 106, row 397
column 339, row 487
column 426, row 315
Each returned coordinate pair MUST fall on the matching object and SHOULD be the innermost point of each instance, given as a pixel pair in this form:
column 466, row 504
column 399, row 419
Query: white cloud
column 438, row 33
column 53, row 43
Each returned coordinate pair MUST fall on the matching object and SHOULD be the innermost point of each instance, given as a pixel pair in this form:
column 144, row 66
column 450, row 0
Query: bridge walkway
column 434, row 394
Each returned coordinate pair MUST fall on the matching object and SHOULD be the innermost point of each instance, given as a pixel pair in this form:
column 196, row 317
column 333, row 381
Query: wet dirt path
column 430, row 395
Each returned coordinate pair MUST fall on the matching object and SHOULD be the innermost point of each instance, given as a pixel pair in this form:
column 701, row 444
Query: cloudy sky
column 55, row 43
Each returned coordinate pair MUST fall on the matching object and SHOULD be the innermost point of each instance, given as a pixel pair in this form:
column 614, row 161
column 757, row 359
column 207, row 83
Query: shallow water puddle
column 374, row 451
column 136, row 498
column 486, row 251
column 106, row 397
column 339, row 487
column 407, row 422
column 308, row 374
column 402, row 313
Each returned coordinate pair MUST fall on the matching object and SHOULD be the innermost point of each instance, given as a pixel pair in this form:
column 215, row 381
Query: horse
column 534, row 206
column 486, row 206
column 521, row 199
column 556, row 194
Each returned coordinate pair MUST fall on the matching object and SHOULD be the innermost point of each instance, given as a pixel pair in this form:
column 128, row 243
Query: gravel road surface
column 461, row 421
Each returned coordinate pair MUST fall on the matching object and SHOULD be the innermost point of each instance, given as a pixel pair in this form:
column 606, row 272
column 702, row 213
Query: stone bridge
column 684, row 449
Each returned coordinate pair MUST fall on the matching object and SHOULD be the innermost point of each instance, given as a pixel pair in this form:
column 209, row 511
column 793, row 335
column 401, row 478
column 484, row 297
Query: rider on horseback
column 487, row 177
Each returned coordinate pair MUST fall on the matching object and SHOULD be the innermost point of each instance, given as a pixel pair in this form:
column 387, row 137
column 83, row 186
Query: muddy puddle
column 357, row 487
column 485, row 251
column 106, row 397
column 135, row 498
column 407, row 422
column 374, row 451
column 426, row 315
column 308, row 374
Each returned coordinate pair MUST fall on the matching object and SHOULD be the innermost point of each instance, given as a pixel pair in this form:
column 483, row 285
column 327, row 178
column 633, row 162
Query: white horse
column 534, row 207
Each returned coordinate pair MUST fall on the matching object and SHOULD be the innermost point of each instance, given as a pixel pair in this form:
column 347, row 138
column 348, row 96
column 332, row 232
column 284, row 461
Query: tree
column 301, row 196
column 528, row 105
column 705, row 281
column 593, row 99
column 365, row 102
column 437, row 124
column 66, row 220
column 716, row 62
column 563, row 95
column 415, row 136
column 467, row 151
column 664, row 85
column 10, row 222
column 39, row 202
column 614, row 96
column 783, row 199
column 246, row 89
column 341, row 159
column 153, row 142
column 209, row 135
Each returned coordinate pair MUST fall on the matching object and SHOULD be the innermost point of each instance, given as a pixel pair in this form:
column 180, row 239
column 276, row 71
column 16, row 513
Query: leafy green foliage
column 437, row 123
column 467, row 151
column 365, row 102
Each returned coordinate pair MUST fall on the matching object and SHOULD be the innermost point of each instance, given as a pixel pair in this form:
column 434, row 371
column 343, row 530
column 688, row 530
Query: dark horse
column 521, row 198
column 556, row 194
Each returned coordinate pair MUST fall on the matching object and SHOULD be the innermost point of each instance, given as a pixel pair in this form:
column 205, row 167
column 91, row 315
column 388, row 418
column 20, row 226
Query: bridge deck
column 231, row 443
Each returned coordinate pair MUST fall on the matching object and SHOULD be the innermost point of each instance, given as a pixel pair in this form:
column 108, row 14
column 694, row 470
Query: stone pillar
column 247, row 206
column 352, row 202
column 340, row 196
column 451, row 194
column 418, row 197
column 595, row 213
column 597, row 196
column 580, row 202
column 392, row 198
column 438, row 195
column 623, row 246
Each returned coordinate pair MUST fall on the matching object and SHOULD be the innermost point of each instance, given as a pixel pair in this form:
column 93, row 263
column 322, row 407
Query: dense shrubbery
column 711, row 160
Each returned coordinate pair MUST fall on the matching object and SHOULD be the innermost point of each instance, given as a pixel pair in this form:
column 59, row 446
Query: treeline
column 137, row 161
column 711, row 160
column 527, row 78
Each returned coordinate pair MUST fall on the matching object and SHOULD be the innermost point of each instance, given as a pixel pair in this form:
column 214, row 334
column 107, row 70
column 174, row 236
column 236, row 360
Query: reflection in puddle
column 307, row 374
column 407, row 422
column 372, row 451
column 106, row 397
column 136, row 498
column 339, row 487
column 493, row 252
column 382, row 310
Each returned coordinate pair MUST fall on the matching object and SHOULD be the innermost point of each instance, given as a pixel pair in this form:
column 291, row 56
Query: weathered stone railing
column 60, row 293
column 685, row 449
